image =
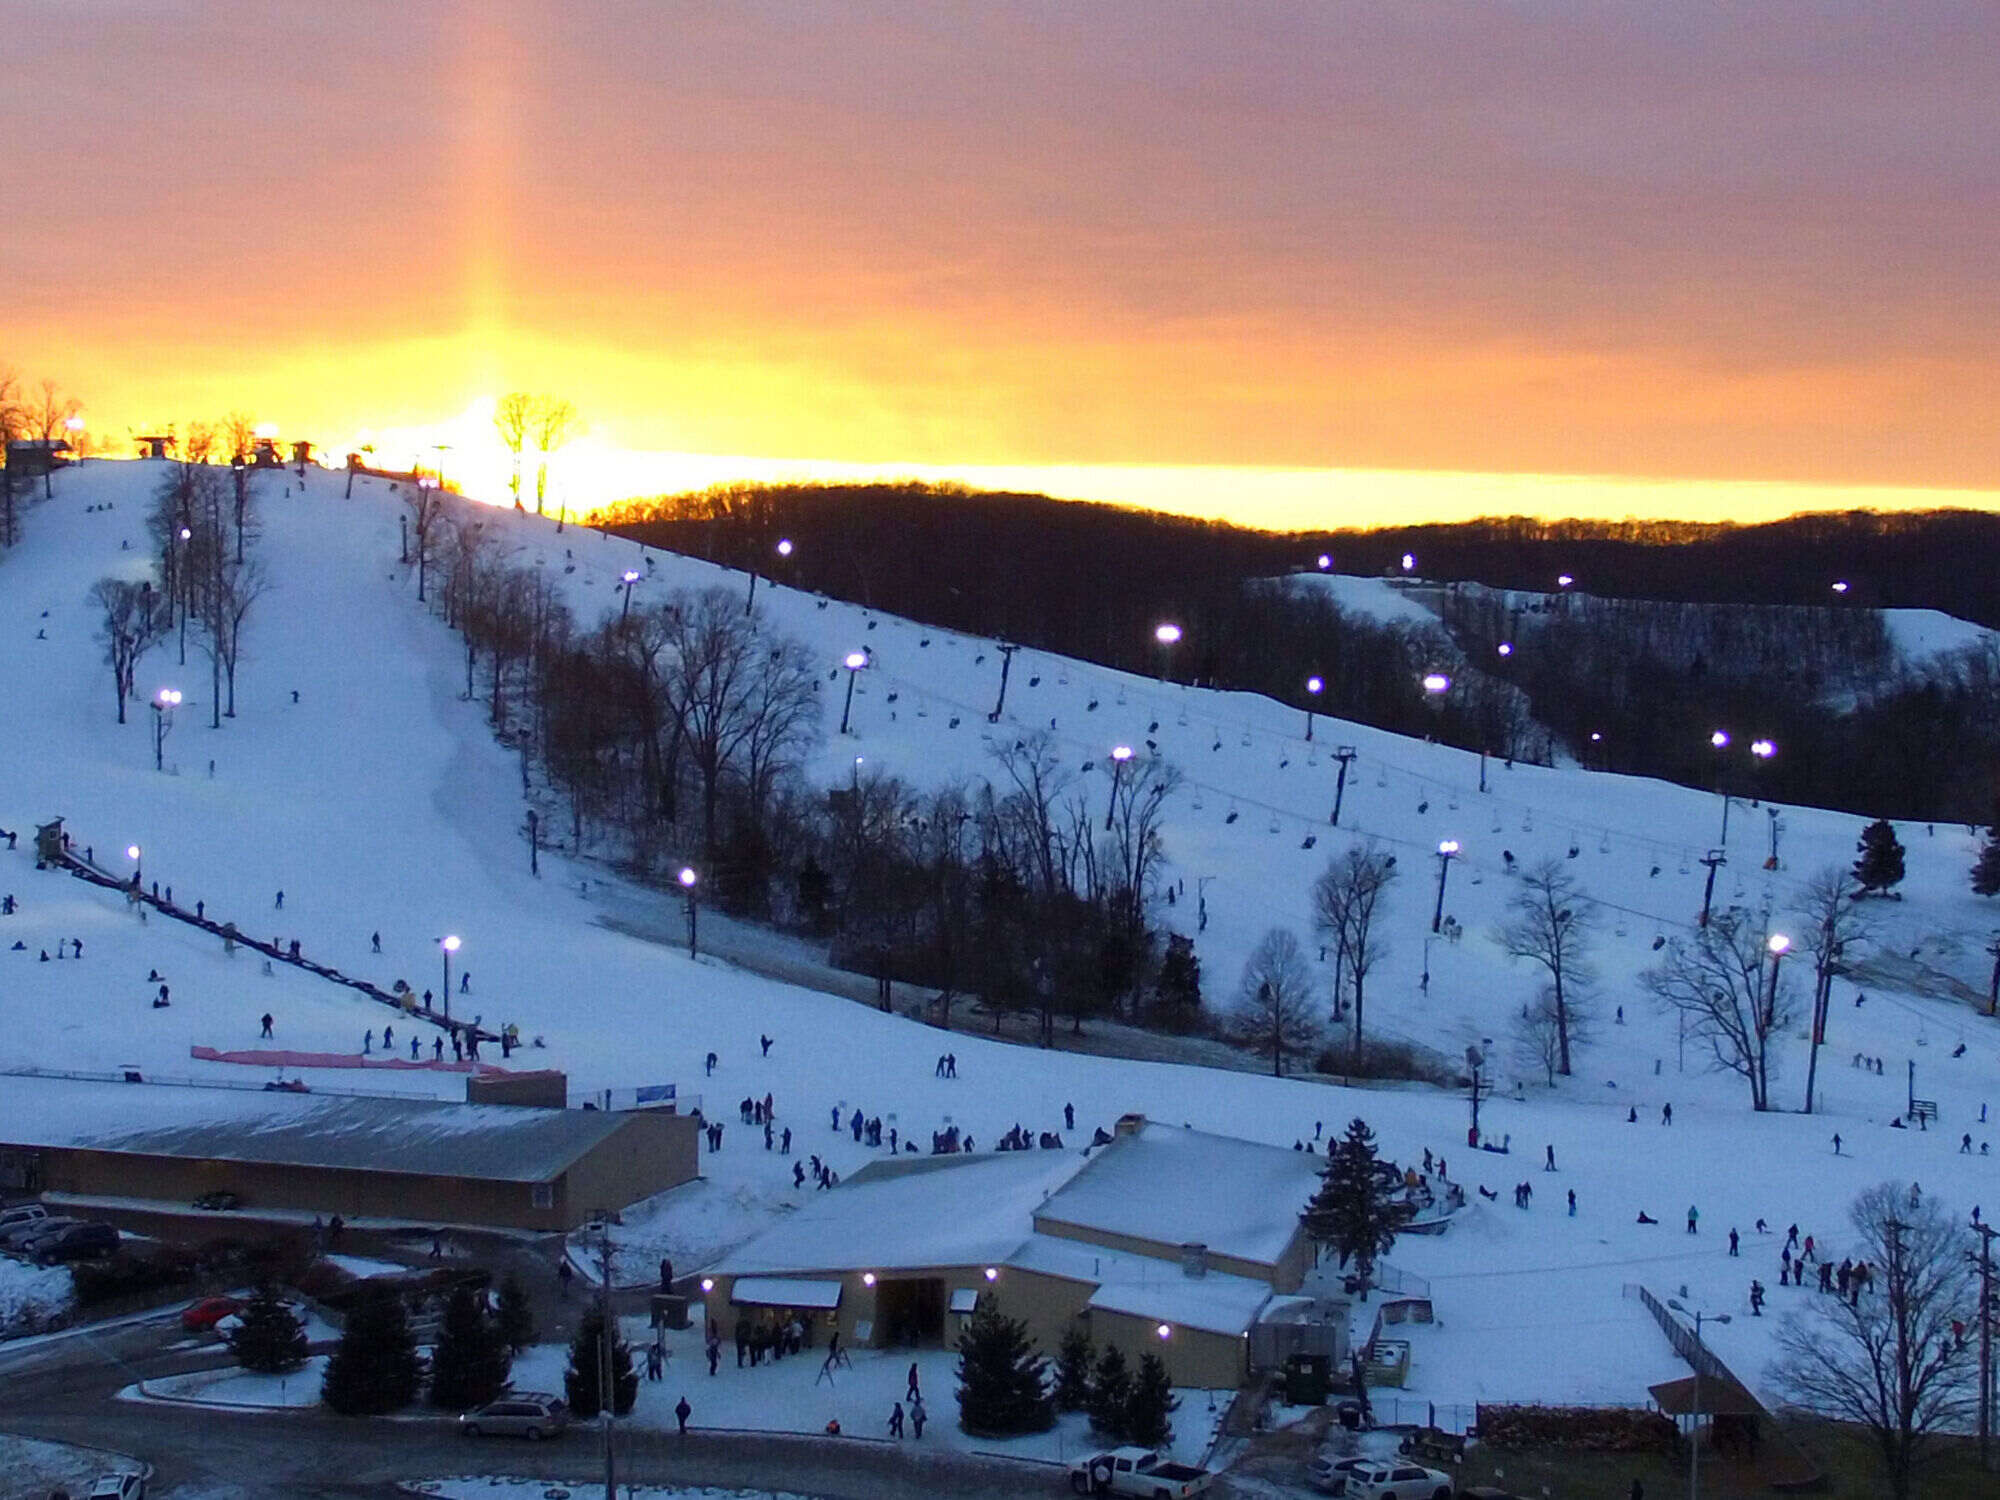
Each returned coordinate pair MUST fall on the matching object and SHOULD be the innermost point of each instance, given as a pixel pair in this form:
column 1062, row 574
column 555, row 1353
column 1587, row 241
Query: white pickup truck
column 1137, row 1471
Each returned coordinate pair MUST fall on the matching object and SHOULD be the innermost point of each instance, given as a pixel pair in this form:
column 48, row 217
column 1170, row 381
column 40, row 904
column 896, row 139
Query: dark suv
column 86, row 1241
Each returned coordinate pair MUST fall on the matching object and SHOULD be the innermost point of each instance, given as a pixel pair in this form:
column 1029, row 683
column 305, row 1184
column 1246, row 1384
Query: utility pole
column 1345, row 754
column 1714, row 859
column 1993, row 989
column 1006, row 666
column 607, row 1333
column 1475, row 1059
column 1829, row 953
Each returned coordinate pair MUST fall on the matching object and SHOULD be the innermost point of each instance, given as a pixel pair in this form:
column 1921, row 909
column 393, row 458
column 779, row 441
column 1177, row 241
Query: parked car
column 21, row 1238
column 533, row 1415
column 202, row 1316
column 1377, row 1479
column 1136, row 1471
column 219, row 1201
column 21, row 1213
column 75, row 1241
column 1328, row 1469
column 119, row 1487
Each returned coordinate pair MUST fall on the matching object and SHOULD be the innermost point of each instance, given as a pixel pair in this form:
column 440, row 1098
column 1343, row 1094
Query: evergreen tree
column 516, row 1319
column 374, row 1366
column 1110, row 1394
column 1354, row 1211
column 1149, row 1414
column 1073, row 1358
column 269, row 1338
column 1986, row 869
column 1177, row 987
column 1881, row 863
column 580, row 1380
column 470, row 1364
column 1001, row 1390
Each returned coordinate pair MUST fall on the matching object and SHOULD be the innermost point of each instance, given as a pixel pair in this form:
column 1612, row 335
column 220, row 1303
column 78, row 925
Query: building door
column 910, row 1311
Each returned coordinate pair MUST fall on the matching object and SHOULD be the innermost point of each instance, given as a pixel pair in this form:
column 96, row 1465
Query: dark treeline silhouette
column 1681, row 637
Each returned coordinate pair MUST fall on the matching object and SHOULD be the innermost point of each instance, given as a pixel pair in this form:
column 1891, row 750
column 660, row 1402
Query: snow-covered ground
column 33, row 1298
column 379, row 802
column 33, row 1467
column 541, row 1489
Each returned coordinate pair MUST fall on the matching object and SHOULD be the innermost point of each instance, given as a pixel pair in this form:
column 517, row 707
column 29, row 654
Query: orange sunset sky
column 1299, row 264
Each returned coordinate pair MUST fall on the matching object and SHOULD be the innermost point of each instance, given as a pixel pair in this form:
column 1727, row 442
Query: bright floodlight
column 785, row 547
column 1840, row 587
column 131, row 851
column 1164, row 1330
column 1449, row 846
column 1595, row 737
column 854, row 661
column 1506, row 648
column 1121, row 752
column 688, row 876
column 1167, row 634
column 1325, row 561
column 185, row 533
column 1720, row 739
column 1313, row 684
column 1779, row 943
column 451, row 943
column 74, row 424
column 170, row 697
column 1563, row 580
column 631, row 575
column 1436, row 682
column 1763, row 749
column 1409, row 561
column 708, row 1283
column 992, row 1273
column 868, row 1278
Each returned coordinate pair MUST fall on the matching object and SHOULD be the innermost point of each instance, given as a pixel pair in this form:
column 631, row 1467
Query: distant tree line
column 1682, row 640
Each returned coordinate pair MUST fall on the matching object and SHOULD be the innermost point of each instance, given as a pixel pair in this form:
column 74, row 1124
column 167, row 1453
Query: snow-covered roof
column 1147, row 1287
column 1177, row 1186
column 958, row 1210
column 423, row 1136
column 785, row 1291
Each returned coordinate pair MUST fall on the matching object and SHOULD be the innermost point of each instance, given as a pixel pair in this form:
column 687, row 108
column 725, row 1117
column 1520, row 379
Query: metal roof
column 425, row 1137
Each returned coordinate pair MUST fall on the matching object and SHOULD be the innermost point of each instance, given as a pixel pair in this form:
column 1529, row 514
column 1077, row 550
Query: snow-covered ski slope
column 380, row 802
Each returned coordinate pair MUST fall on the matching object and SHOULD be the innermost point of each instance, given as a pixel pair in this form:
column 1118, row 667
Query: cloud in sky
column 1752, row 241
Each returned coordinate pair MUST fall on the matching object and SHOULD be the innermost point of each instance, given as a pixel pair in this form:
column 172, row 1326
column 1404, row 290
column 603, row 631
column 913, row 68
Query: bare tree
column 1542, row 1029
column 555, row 423
column 1027, row 814
column 1347, row 898
column 1274, row 1008
column 1549, row 923
column 13, row 420
column 1832, row 921
column 426, row 505
column 239, row 432
column 513, row 416
column 1138, row 804
column 48, row 420
column 135, row 615
column 1887, row 1358
column 1716, row 981
column 236, row 586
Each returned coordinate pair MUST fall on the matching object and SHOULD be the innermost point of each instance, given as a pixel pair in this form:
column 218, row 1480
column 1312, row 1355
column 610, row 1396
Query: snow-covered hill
column 378, row 802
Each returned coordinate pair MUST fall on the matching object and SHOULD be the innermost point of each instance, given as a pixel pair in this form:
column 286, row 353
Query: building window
column 544, row 1195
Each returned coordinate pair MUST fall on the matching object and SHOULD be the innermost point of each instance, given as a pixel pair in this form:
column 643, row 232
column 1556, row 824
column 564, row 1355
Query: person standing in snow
column 437, row 1049
column 280, row 903
column 1692, row 1218
column 896, row 1420
column 1549, row 1160
column 1666, row 1114
column 368, row 1041
column 267, row 1024
column 1732, row 1241
column 375, row 942
column 682, row 1411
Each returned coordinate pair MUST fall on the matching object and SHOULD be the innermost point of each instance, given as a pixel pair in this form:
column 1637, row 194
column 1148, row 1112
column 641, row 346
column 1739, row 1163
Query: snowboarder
column 267, row 1024
column 682, row 1411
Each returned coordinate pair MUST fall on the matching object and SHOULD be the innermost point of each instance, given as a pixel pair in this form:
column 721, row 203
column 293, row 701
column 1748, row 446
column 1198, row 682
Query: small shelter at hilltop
column 158, row 445
column 49, row 840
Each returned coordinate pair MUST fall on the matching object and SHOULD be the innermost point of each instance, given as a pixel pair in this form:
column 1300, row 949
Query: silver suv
column 533, row 1415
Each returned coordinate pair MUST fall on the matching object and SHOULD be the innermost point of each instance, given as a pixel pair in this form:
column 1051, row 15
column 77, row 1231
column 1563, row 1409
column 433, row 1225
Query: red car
column 205, row 1314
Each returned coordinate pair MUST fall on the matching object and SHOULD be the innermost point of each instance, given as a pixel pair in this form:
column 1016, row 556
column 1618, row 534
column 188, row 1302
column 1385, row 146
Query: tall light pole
column 783, row 549
column 1778, row 945
column 1313, row 685
column 1446, row 851
column 164, row 703
column 1436, row 685
column 1345, row 754
column 448, row 945
column 1714, row 859
column 1006, row 666
column 1169, row 636
column 630, row 577
column 1119, row 755
column 854, row 661
column 1720, row 740
column 689, row 880
column 1694, row 1426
